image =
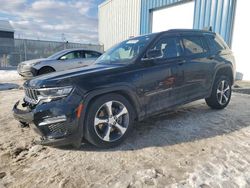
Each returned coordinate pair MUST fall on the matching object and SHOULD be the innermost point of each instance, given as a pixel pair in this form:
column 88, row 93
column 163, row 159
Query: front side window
column 126, row 51
column 193, row 45
column 71, row 55
column 169, row 47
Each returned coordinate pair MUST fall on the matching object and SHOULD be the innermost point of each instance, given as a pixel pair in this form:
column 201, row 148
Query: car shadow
column 8, row 86
column 188, row 123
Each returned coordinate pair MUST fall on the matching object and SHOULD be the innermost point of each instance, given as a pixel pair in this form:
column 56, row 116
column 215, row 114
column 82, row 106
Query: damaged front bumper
column 56, row 122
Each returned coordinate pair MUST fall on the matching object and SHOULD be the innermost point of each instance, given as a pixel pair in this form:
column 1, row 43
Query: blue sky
column 73, row 20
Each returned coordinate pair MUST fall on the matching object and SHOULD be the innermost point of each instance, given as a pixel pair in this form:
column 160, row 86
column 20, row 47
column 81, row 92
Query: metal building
column 118, row 20
column 6, row 37
column 121, row 19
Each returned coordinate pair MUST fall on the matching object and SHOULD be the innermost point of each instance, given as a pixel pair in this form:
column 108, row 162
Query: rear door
column 197, row 68
column 160, row 75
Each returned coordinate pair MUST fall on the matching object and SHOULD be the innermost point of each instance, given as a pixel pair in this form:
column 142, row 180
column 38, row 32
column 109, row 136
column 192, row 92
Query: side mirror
column 153, row 53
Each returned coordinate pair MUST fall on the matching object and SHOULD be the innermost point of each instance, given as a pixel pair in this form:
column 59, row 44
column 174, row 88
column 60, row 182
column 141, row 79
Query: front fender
column 126, row 89
column 46, row 63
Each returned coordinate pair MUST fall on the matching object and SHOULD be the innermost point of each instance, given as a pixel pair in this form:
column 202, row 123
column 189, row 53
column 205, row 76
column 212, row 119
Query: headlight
column 47, row 94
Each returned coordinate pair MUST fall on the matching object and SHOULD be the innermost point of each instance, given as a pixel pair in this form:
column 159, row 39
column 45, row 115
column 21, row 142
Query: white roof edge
column 104, row 3
column 6, row 26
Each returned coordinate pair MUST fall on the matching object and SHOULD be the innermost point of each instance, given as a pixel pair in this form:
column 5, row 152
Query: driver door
column 161, row 77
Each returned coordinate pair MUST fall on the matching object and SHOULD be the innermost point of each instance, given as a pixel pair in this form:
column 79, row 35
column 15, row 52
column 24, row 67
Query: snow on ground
column 192, row 146
column 10, row 79
column 9, row 75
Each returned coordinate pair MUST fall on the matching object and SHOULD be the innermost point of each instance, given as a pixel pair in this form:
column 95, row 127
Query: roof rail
column 208, row 28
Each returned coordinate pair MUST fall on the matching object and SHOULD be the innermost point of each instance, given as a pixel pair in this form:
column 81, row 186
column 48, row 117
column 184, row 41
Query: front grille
column 58, row 128
column 31, row 95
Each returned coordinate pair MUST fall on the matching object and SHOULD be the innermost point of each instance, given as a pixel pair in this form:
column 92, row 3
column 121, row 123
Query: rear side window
column 215, row 44
column 92, row 54
column 193, row 45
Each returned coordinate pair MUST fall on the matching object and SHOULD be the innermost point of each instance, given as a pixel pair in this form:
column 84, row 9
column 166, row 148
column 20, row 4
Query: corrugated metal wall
column 216, row 13
column 147, row 6
column 118, row 20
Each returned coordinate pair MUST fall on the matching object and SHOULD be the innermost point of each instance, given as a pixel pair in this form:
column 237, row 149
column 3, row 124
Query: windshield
column 125, row 51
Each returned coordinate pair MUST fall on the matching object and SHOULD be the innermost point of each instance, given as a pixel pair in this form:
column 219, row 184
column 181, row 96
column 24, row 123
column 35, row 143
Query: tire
column 221, row 93
column 45, row 70
column 107, row 128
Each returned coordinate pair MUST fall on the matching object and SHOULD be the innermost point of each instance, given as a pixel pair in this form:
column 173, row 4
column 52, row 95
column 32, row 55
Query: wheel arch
column 125, row 91
column 45, row 67
column 224, row 70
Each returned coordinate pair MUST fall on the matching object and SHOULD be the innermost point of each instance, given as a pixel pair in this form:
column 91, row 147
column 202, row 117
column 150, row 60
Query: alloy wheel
column 223, row 92
column 111, row 121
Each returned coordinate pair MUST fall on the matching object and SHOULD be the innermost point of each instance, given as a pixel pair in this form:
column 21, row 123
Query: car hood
column 63, row 78
column 32, row 61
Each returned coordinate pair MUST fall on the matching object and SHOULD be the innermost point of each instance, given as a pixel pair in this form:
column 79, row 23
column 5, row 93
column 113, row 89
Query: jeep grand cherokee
column 133, row 80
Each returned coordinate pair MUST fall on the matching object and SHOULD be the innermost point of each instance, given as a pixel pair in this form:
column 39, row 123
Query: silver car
column 63, row 60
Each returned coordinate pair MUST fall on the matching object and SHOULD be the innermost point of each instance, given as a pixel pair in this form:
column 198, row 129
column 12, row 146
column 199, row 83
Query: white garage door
column 175, row 17
column 241, row 39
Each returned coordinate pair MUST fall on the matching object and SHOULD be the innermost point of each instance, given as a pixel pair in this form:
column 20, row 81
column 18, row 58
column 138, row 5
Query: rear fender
column 220, row 67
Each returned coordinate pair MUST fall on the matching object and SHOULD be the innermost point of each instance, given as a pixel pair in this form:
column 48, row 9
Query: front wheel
column 109, row 120
column 45, row 70
column 221, row 93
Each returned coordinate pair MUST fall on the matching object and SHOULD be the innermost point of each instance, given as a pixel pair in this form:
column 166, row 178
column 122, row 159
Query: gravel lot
column 192, row 146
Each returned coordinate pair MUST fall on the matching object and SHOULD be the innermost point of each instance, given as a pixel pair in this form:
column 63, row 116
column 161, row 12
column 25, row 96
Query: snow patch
column 9, row 75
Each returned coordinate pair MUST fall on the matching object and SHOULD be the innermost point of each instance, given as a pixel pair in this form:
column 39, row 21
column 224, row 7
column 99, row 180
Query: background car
column 63, row 60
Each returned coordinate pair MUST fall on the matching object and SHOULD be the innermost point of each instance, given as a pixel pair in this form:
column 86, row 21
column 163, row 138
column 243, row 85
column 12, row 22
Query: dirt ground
column 192, row 146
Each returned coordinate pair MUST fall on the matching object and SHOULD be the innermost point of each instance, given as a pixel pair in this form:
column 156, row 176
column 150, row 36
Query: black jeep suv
column 135, row 79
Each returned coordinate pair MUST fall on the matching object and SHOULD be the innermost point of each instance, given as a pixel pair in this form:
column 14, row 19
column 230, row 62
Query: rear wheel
column 109, row 120
column 221, row 93
column 45, row 70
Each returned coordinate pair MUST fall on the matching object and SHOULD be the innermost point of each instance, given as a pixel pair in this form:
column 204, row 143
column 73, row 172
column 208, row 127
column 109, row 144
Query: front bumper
column 56, row 122
column 27, row 72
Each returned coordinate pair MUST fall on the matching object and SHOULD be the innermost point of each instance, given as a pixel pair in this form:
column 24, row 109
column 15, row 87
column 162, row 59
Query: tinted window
column 91, row 54
column 169, row 47
column 214, row 43
column 193, row 45
column 72, row 55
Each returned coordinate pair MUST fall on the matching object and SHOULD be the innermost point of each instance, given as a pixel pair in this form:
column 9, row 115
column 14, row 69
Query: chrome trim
column 31, row 94
column 53, row 120
column 48, row 88
column 29, row 100
column 158, row 92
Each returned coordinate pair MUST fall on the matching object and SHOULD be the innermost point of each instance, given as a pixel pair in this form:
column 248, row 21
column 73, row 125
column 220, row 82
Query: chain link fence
column 14, row 51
